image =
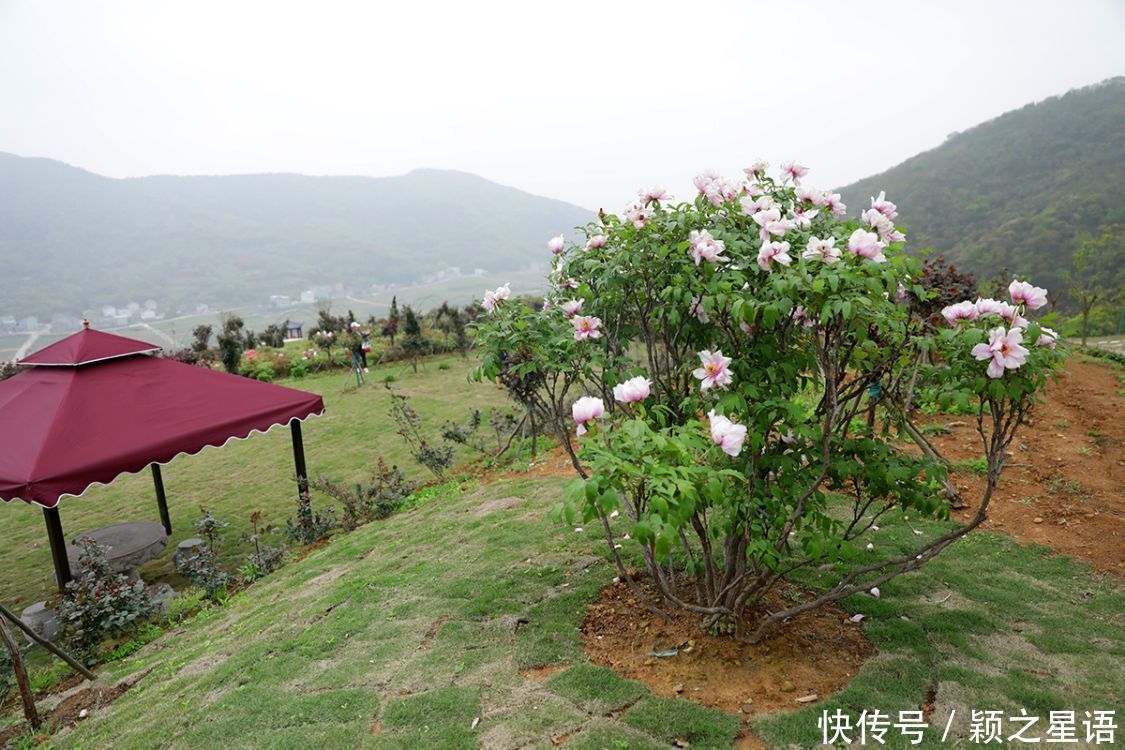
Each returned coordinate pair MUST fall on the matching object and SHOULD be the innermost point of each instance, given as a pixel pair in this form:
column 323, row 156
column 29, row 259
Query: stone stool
column 186, row 549
column 42, row 620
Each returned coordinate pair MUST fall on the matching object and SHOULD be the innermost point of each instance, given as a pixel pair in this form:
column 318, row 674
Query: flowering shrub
column 99, row 603
column 704, row 363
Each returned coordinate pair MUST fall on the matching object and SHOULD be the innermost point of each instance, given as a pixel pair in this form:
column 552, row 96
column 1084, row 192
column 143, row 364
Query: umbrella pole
column 161, row 499
column 58, row 546
column 299, row 459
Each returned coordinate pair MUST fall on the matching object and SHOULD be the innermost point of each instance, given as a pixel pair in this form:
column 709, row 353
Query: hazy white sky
column 584, row 101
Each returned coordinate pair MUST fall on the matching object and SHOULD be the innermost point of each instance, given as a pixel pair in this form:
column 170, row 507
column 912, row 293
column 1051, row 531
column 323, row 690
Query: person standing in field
column 359, row 341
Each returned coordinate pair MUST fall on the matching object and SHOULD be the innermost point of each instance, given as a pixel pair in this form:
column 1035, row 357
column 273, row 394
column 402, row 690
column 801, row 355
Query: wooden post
column 161, row 499
column 58, row 546
column 299, row 458
column 29, row 711
column 5, row 612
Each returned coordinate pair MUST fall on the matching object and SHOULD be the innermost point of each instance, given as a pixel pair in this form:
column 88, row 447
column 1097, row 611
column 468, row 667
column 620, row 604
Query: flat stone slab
column 127, row 545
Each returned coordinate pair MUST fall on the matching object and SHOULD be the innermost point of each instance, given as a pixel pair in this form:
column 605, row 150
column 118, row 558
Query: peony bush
column 705, row 364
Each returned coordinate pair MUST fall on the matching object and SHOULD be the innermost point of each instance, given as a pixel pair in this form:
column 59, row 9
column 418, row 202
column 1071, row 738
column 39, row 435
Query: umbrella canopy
column 94, row 407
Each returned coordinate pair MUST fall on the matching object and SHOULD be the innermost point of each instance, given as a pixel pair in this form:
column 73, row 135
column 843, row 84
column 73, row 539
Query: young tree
column 390, row 326
column 231, row 342
column 413, row 341
column 201, row 338
column 1097, row 273
column 721, row 351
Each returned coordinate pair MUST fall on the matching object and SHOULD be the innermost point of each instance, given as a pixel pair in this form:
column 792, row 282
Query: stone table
column 127, row 545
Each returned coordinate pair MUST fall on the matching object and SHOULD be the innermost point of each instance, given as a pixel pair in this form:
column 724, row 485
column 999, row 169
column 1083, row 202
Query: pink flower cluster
column 1004, row 350
column 717, row 189
column 494, row 297
column 704, row 247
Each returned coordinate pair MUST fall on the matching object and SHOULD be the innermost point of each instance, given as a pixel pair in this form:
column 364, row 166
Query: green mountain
column 1017, row 192
column 72, row 240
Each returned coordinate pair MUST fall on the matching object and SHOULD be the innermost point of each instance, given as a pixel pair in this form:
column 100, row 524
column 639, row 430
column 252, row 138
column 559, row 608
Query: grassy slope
column 245, row 476
column 401, row 634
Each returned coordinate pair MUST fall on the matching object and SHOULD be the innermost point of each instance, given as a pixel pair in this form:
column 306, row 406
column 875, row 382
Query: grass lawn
column 406, row 632
column 244, row 476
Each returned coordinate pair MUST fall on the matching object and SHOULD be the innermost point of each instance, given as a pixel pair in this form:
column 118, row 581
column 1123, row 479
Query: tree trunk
column 29, row 711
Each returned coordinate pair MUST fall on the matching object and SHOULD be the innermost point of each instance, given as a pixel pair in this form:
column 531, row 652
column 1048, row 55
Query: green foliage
column 437, row 456
column 99, row 603
column 311, row 526
column 1096, row 279
column 1016, row 192
column 678, row 293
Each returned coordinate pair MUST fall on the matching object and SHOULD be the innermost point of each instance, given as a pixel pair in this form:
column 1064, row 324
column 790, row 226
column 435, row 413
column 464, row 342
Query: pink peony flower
column 751, row 205
column 791, row 170
column 800, row 315
column 586, row 326
column 757, row 169
column 824, row 250
column 715, row 372
column 774, row 251
column 632, row 390
column 726, row 434
column 810, row 195
column 866, row 245
column 639, row 215
column 833, row 203
column 883, row 226
column 705, row 247
column 1010, row 313
column 1047, row 338
column 557, row 245
column 598, row 240
column 802, row 217
column 884, row 206
column 1023, row 293
column 1003, row 351
column 717, row 189
column 587, row 409
column 697, row 310
column 652, row 194
column 571, row 308
column 962, row 312
column 704, row 178
column 771, row 223
column 494, row 297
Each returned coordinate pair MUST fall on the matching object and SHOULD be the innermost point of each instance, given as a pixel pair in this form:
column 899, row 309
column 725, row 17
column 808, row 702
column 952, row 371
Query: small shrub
column 263, row 560
column 7, row 675
column 202, row 570
column 388, row 491
column 310, row 527
column 190, row 601
column 437, row 458
column 444, row 366
column 99, row 603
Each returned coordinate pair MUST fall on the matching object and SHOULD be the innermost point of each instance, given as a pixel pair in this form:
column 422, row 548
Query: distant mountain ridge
column 1018, row 191
column 72, row 240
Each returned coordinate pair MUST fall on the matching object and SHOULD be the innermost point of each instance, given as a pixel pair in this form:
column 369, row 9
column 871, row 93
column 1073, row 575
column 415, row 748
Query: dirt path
column 1065, row 482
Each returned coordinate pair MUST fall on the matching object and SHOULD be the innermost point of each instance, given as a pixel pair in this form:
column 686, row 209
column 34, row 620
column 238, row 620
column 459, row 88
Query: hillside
column 1016, row 192
column 73, row 240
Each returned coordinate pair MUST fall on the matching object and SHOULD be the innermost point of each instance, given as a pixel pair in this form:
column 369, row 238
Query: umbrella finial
column 85, row 324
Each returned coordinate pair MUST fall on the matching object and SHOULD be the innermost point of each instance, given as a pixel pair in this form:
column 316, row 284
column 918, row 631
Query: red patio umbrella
column 94, row 406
